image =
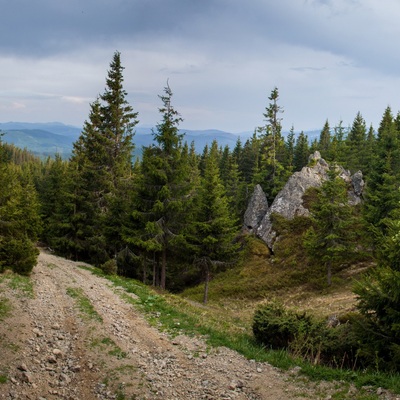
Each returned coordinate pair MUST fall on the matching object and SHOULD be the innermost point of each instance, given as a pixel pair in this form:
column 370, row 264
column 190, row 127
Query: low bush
column 110, row 267
column 307, row 337
column 18, row 254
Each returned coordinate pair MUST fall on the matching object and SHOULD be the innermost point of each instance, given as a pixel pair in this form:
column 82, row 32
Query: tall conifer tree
column 271, row 174
column 101, row 164
column 382, row 194
column 324, row 142
column 356, row 145
column 301, row 152
column 165, row 193
column 215, row 226
column 329, row 240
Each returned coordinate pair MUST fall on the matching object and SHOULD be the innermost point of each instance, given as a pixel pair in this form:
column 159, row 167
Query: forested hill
column 48, row 139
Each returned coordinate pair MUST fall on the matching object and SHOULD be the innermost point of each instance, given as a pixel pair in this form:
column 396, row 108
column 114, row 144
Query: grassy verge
column 22, row 284
column 5, row 308
column 178, row 316
column 85, row 306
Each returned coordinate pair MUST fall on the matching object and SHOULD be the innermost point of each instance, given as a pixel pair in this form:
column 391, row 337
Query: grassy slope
column 286, row 277
column 227, row 319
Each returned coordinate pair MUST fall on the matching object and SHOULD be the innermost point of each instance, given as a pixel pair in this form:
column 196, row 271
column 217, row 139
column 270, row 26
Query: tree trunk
column 163, row 269
column 206, row 282
column 156, row 269
column 329, row 273
column 144, row 277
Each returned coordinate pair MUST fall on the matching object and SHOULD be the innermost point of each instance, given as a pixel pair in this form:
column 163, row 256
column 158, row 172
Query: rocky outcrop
column 289, row 201
column 256, row 210
column 357, row 183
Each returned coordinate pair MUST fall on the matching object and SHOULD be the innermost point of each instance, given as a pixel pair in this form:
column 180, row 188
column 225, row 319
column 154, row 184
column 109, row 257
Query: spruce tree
column 215, row 227
column 289, row 146
column 165, row 193
column 55, row 204
column 370, row 148
column 301, row 152
column 356, row 145
column 329, row 240
column 382, row 195
column 271, row 174
column 338, row 149
column 101, row 164
column 324, row 142
column 19, row 220
column 249, row 161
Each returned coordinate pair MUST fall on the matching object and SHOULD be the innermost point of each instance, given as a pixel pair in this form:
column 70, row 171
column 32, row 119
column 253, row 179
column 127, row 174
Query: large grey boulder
column 256, row 210
column 289, row 201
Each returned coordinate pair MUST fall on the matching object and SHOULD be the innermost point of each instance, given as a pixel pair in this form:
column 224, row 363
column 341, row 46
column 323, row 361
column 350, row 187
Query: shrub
column 19, row 254
column 110, row 267
column 276, row 327
column 307, row 337
column 379, row 329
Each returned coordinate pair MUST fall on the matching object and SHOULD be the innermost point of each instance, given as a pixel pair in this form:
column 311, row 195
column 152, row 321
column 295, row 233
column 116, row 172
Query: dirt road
column 51, row 349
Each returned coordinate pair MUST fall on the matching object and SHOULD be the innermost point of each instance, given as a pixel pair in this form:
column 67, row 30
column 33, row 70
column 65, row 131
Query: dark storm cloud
column 222, row 27
column 46, row 27
column 222, row 56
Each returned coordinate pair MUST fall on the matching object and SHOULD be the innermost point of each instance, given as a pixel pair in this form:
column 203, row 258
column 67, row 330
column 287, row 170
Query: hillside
column 48, row 139
column 66, row 333
column 69, row 334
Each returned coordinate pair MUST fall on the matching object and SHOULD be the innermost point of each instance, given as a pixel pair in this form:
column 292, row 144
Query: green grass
column 20, row 283
column 5, row 308
column 85, row 306
column 176, row 315
column 3, row 379
column 106, row 343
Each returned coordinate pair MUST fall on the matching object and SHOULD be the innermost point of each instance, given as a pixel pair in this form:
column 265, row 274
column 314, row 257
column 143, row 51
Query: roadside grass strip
column 175, row 315
column 85, row 306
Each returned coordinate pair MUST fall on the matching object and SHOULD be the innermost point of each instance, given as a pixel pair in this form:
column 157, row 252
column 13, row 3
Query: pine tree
column 271, row 174
column 19, row 220
column 370, row 151
column 249, row 160
column 301, row 152
column 289, row 146
column 215, row 227
column 382, row 194
column 356, row 145
column 55, row 198
column 101, row 166
column 324, row 142
column 237, row 152
column 329, row 240
column 379, row 303
column 338, row 150
column 164, row 197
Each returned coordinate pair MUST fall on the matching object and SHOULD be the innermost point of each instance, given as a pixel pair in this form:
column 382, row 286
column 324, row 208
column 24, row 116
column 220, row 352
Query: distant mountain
column 40, row 143
column 201, row 138
column 48, row 139
column 53, row 127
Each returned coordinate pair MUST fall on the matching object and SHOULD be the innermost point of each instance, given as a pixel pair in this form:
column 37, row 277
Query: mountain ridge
column 51, row 138
column 48, row 139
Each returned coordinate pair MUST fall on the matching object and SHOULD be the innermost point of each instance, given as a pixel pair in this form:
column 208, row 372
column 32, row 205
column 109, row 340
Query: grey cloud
column 48, row 27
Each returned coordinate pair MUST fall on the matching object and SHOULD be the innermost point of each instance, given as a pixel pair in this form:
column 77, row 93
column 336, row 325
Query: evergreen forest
column 174, row 218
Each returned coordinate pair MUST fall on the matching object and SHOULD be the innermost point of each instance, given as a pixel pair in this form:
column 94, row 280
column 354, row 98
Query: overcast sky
column 328, row 58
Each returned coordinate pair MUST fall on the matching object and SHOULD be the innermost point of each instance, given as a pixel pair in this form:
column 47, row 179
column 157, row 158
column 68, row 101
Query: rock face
column 289, row 201
column 256, row 210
